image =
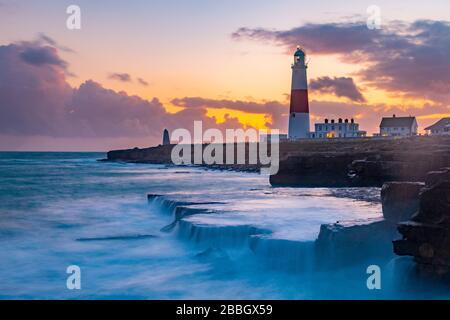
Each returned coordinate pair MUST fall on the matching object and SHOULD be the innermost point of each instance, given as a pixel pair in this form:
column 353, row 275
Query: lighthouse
column 299, row 108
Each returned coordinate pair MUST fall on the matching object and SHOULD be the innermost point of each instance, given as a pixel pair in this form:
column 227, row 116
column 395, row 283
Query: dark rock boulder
column 395, row 165
column 429, row 244
column 426, row 236
column 434, row 177
column 371, row 167
column 315, row 170
column 368, row 172
column 345, row 243
column 400, row 200
column 435, row 204
column 158, row 155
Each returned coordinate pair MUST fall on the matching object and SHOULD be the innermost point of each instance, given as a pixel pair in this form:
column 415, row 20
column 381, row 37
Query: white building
column 440, row 128
column 340, row 129
column 398, row 126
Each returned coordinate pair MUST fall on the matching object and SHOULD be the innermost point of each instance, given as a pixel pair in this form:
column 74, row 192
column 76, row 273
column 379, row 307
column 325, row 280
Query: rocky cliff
column 162, row 154
column 156, row 155
column 419, row 213
column 349, row 242
column 400, row 200
column 330, row 163
column 361, row 162
column 426, row 236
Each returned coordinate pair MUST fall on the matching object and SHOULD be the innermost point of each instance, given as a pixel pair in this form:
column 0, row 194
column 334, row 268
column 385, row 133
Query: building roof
column 439, row 125
column 397, row 122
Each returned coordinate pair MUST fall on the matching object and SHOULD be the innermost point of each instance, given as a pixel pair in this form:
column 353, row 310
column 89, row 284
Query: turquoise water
column 249, row 241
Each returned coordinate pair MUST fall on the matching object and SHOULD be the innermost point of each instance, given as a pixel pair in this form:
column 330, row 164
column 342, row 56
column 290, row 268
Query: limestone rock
column 435, row 204
column 400, row 200
column 345, row 243
column 434, row 177
column 426, row 236
column 315, row 170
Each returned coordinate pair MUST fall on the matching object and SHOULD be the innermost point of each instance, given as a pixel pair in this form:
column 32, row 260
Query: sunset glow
column 159, row 51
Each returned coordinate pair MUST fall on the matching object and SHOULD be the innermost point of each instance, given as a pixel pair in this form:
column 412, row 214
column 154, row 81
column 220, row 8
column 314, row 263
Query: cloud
column 100, row 112
column 339, row 86
column 43, row 51
column 326, row 38
column 33, row 89
column 44, row 39
column 275, row 111
column 142, row 82
column 36, row 99
column 41, row 56
column 246, row 106
column 39, row 109
column 409, row 59
column 124, row 77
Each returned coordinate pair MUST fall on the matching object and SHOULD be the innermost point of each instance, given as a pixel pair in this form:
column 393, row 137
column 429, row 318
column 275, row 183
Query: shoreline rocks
column 400, row 200
column 361, row 163
column 365, row 162
column 315, row 170
column 162, row 154
column 345, row 243
column 426, row 236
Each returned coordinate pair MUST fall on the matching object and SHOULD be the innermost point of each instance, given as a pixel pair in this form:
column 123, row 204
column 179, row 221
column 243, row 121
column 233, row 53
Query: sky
column 137, row 67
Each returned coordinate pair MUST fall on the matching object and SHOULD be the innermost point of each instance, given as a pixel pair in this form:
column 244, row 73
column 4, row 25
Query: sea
column 144, row 231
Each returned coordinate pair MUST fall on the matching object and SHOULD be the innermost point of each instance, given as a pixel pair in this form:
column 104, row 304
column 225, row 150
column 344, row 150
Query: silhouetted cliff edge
column 361, row 162
column 332, row 163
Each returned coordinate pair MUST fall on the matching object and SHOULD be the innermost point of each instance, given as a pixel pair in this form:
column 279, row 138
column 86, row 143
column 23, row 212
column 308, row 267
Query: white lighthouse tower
column 299, row 108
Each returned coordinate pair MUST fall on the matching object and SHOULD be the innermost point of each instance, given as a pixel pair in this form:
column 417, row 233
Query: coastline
column 400, row 165
column 330, row 163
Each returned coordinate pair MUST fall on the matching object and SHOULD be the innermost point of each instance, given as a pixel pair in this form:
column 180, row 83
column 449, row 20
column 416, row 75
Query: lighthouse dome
column 299, row 52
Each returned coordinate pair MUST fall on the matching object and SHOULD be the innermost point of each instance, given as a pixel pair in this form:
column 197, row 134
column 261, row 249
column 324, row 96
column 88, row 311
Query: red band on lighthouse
column 299, row 101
